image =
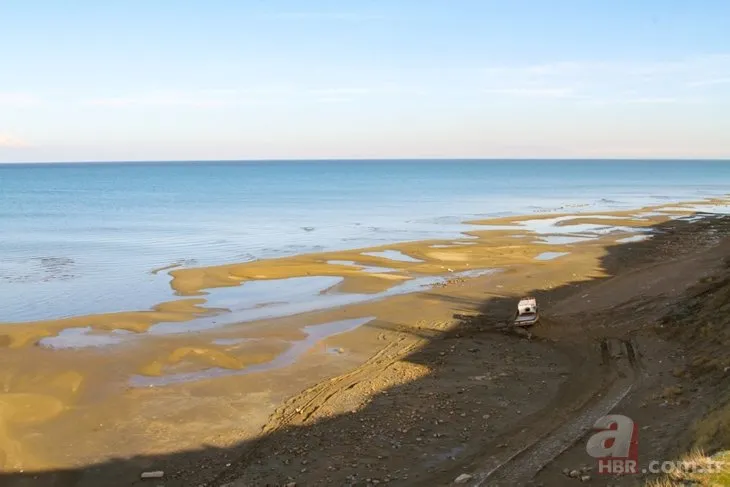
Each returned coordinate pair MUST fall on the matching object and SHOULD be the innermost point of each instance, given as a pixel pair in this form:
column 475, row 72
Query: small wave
column 41, row 269
column 244, row 257
column 54, row 262
column 450, row 219
column 174, row 265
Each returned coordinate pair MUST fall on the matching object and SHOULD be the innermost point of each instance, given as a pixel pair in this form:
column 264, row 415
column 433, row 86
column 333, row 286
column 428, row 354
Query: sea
column 85, row 238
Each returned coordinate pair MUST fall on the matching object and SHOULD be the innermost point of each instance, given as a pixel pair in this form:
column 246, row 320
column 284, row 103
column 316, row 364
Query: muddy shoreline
column 440, row 372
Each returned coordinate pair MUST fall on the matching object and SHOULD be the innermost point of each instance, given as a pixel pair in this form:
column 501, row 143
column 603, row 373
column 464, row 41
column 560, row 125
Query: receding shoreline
column 53, row 397
column 193, row 284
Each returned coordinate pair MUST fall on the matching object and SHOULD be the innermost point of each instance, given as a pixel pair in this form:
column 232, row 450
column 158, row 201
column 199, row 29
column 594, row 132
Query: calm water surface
column 84, row 238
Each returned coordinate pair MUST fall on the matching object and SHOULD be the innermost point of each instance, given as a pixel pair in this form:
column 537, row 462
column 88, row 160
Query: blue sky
column 215, row 79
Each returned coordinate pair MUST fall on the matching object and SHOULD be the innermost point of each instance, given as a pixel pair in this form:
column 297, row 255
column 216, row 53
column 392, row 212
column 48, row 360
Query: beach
column 364, row 244
column 210, row 372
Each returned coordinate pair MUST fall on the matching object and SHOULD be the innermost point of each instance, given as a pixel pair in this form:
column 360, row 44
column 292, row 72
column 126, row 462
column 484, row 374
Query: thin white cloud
column 650, row 100
column 195, row 99
column 11, row 142
column 334, row 99
column 709, row 82
column 154, row 100
column 211, row 98
column 710, row 62
column 341, row 91
column 664, row 81
column 325, row 16
column 533, row 92
column 18, row 99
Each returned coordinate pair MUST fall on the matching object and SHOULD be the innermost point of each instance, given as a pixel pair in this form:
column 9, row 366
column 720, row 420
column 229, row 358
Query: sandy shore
column 151, row 394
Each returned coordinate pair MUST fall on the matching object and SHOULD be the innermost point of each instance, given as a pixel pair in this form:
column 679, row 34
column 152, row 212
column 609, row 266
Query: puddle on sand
column 370, row 269
column 254, row 300
column 563, row 239
column 549, row 232
column 635, row 238
column 452, row 245
column 550, row 255
column 476, row 273
column 82, row 338
column 679, row 208
column 229, row 341
column 393, row 255
column 314, row 334
column 716, row 209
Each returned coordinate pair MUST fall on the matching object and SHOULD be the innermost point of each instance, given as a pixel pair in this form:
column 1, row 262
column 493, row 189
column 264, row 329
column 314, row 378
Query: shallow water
column 84, row 338
column 564, row 239
column 314, row 334
column 370, row 269
column 85, row 238
column 634, row 238
column 550, row 255
column 393, row 255
column 252, row 300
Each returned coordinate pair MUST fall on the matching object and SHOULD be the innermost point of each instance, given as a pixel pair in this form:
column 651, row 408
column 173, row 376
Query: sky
column 294, row 79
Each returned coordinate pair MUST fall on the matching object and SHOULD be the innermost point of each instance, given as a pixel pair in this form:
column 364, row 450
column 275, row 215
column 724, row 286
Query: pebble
column 463, row 478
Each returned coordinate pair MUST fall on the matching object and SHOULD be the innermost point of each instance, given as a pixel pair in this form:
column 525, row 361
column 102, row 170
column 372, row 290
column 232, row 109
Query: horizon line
column 363, row 159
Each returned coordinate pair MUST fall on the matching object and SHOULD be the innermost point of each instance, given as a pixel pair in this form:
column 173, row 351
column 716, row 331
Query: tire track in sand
column 303, row 407
column 521, row 466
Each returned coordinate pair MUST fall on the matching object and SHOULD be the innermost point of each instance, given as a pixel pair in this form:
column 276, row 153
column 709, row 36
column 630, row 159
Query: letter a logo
column 614, row 438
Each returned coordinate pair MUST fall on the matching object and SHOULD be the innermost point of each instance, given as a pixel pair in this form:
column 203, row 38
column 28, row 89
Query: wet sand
column 139, row 388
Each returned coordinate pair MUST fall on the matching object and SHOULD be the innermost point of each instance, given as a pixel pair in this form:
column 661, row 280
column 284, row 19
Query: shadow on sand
column 282, row 452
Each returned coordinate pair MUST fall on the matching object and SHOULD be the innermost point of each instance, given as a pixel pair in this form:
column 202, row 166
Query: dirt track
column 500, row 408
